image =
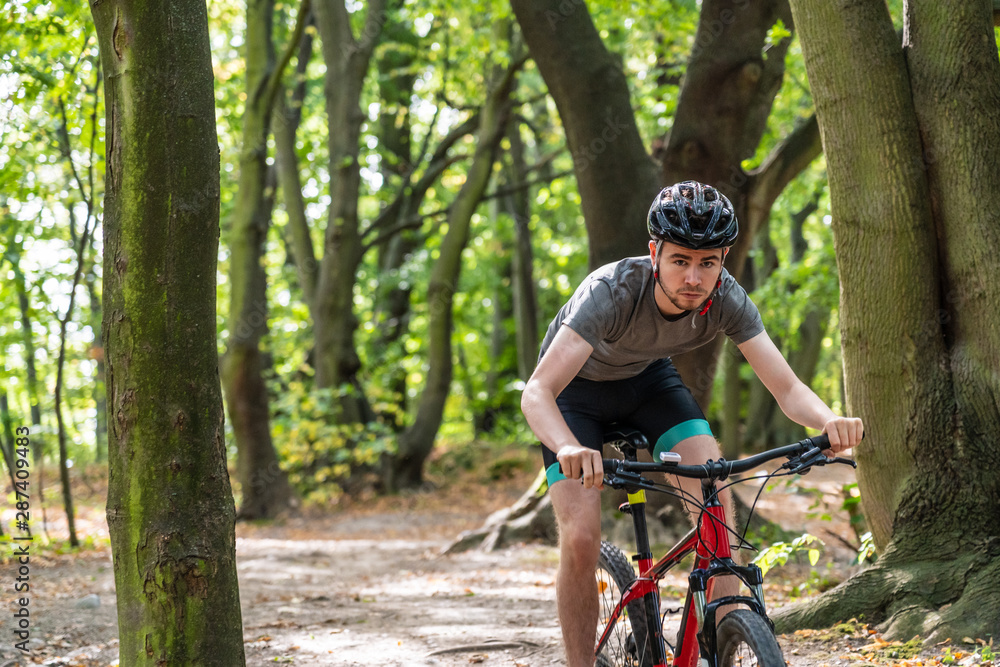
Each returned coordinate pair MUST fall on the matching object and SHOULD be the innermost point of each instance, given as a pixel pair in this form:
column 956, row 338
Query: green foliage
column 778, row 553
column 867, row 550
column 49, row 67
column 51, row 168
column 319, row 453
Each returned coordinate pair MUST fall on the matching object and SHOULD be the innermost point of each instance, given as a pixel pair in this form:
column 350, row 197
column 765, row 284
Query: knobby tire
column 628, row 644
column 745, row 639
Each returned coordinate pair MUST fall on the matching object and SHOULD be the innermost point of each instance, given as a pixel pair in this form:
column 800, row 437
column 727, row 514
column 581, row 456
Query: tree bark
column 921, row 343
column 416, row 442
column 264, row 485
column 170, row 507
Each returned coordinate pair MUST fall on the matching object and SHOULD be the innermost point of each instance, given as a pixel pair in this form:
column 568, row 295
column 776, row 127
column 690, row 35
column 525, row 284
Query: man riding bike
column 606, row 358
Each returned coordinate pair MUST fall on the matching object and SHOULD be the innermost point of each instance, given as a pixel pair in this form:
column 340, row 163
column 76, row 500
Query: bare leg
column 578, row 512
column 693, row 451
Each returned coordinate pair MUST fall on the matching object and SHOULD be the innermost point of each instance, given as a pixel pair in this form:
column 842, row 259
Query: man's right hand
column 580, row 462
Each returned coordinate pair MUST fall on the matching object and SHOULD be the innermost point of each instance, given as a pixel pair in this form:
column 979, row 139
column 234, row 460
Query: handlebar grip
column 822, row 441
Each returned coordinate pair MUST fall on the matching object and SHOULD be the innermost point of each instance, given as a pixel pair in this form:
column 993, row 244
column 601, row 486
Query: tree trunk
column 14, row 251
column 920, row 335
column 170, row 507
column 264, row 485
column 67, row 491
column 8, row 438
column 526, row 332
column 416, row 442
column 615, row 175
column 347, row 60
column 285, row 126
column 729, row 87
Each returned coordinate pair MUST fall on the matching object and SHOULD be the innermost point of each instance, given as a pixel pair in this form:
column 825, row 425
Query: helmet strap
column 708, row 304
column 718, row 284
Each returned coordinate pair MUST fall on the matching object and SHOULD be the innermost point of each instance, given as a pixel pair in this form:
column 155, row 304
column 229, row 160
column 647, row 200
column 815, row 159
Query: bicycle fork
column 713, row 558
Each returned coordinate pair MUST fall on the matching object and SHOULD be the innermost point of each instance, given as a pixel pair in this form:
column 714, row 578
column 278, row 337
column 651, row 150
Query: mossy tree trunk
column 170, row 507
column 914, row 202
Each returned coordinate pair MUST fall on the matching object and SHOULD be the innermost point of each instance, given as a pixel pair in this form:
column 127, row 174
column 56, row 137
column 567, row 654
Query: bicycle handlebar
column 802, row 456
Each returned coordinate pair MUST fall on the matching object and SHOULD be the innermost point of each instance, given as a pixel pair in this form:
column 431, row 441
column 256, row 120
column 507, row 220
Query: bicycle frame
column 710, row 542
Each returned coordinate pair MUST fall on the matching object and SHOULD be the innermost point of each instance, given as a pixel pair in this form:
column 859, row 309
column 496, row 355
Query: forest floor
column 365, row 582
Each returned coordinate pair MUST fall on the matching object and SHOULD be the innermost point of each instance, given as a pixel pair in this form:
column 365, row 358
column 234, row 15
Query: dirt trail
column 362, row 587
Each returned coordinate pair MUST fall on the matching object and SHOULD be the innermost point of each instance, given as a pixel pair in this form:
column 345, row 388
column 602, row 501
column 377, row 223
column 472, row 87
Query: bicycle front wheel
column 628, row 642
column 744, row 639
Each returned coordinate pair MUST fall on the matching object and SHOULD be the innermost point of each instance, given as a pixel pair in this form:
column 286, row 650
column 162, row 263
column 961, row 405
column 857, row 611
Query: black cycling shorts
column 656, row 403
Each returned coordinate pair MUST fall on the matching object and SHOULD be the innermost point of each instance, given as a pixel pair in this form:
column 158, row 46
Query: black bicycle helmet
column 693, row 215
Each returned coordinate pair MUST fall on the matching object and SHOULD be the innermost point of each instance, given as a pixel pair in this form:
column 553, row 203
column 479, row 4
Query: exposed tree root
column 935, row 599
column 530, row 518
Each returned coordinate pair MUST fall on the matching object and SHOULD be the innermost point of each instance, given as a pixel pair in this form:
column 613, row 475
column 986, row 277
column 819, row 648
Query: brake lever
column 815, row 457
column 802, row 464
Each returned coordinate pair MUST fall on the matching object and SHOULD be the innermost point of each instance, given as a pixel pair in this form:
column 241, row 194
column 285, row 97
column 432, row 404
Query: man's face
column 687, row 276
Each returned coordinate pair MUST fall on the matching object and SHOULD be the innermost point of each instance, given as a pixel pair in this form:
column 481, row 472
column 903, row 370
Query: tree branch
column 414, row 222
column 414, row 191
column 788, row 159
column 272, row 84
column 407, row 192
column 524, row 185
column 374, row 21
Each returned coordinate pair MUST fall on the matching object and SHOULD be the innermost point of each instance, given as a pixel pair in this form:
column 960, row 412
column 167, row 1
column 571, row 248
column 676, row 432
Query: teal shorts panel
column 682, row 431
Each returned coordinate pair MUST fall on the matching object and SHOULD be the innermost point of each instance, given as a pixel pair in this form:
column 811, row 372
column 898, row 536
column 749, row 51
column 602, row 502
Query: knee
column 579, row 546
column 698, row 449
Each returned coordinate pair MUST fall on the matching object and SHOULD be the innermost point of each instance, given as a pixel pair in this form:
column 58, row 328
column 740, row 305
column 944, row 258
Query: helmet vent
column 693, row 215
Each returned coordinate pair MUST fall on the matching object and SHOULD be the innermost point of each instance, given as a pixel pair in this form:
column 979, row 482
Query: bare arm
column 562, row 361
column 795, row 399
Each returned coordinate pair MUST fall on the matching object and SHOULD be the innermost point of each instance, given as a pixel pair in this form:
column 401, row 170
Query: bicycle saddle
column 625, row 436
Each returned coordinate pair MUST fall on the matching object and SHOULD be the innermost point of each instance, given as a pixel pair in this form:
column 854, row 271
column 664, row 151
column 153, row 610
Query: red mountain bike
column 630, row 628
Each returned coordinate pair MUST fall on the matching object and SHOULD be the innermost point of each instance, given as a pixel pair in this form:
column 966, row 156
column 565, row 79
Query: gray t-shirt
column 614, row 309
